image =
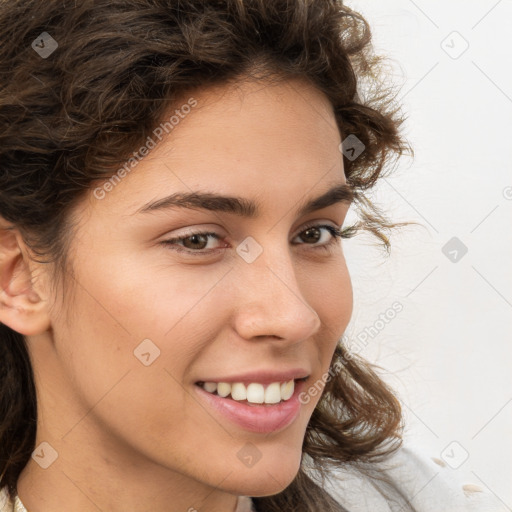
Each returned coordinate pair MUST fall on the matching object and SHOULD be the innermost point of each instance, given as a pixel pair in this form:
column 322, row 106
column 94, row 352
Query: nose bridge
column 269, row 299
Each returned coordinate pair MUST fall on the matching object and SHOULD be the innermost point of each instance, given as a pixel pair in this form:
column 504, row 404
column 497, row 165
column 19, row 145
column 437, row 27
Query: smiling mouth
column 252, row 393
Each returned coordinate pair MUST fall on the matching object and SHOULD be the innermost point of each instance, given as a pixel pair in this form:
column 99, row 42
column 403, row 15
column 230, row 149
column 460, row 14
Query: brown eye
column 321, row 236
column 197, row 241
column 311, row 235
column 193, row 243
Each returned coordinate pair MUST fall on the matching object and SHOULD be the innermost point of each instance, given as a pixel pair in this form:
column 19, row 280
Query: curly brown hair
column 69, row 119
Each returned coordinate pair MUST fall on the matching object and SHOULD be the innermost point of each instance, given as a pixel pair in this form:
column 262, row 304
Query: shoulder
column 6, row 504
column 410, row 479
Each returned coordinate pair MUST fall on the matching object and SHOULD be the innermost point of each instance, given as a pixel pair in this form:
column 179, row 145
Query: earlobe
column 21, row 306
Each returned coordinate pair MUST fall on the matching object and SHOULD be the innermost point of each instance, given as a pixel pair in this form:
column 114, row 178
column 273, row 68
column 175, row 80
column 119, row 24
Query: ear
column 21, row 306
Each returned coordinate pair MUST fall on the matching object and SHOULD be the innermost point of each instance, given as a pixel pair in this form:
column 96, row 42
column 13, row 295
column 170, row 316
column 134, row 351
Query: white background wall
column 448, row 353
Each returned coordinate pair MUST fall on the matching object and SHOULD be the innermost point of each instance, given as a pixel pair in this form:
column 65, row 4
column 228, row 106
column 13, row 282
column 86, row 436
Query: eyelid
column 207, row 230
column 336, row 233
column 198, row 229
column 316, row 223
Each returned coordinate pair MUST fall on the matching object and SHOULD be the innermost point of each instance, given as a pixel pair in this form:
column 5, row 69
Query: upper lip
column 262, row 376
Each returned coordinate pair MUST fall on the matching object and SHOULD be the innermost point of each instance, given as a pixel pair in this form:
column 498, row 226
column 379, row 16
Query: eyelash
column 335, row 232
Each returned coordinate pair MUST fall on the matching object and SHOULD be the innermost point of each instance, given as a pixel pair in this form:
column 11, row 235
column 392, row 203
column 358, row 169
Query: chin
column 266, row 478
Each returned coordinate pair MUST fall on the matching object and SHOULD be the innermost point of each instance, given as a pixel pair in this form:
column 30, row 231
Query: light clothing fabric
column 419, row 482
column 245, row 505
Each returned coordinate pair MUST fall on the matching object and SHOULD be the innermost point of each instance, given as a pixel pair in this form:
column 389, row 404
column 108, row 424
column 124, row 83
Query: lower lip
column 264, row 418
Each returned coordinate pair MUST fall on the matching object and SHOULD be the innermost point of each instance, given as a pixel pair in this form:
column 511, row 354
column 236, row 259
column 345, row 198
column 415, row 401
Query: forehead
column 283, row 114
column 251, row 137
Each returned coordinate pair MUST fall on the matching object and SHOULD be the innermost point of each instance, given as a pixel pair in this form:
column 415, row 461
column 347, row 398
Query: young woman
column 174, row 181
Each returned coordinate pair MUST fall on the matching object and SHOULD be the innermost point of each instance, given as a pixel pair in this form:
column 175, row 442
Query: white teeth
column 273, row 393
column 211, row 387
column 238, row 391
column 254, row 393
column 287, row 389
column 223, row 389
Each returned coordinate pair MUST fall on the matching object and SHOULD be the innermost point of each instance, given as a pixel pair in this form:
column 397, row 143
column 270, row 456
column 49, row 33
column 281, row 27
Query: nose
column 269, row 301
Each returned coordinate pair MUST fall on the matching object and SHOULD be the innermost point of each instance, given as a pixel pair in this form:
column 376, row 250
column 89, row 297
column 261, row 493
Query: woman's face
column 260, row 300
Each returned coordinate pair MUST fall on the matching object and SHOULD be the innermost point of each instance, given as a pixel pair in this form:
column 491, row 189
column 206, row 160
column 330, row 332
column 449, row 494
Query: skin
column 135, row 437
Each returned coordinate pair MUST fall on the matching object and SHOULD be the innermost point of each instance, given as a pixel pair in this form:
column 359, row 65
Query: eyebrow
column 243, row 207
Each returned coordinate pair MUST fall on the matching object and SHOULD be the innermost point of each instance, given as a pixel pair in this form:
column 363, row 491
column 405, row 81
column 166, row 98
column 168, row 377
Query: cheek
column 330, row 294
column 120, row 302
column 337, row 299
column 134, row 394
column 143, row 294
